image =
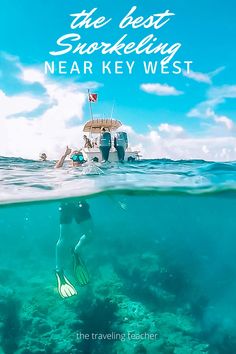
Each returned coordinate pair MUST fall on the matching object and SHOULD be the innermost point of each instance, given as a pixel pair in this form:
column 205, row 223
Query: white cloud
column 197, row 76
column 221, row 92
column 205, row 149
column 203, row 109
column 127, row 128
column 11, row 105
column 51, row 130
column 160, row 90
column 229, row 124
column 155, row 145
column 207, row 109
column 170, row 129
column 217, row 71
column 202, row 77
column 32, row 75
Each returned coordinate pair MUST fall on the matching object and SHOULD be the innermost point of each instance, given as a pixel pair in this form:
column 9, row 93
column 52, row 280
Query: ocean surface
column 161, row 260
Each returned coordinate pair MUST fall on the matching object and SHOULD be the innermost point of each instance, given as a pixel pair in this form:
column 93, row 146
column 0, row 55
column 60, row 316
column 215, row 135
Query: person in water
column 70, row 241
column 43, row 157
column 76, row 156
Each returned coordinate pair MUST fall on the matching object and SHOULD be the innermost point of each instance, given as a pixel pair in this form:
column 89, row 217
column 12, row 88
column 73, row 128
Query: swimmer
column 76, row 156
column 72, row 239
column 43, row 157
column 69, row 243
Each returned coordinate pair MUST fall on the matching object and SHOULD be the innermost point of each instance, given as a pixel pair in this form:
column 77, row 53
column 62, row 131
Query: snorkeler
column 76, row 157
column 43, row 157
column 87, row 142
column 68, row 247
column 70, row 242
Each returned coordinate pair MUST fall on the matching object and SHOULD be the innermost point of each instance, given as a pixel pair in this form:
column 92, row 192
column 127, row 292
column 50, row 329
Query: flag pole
column 112, row 109
column 90, row 105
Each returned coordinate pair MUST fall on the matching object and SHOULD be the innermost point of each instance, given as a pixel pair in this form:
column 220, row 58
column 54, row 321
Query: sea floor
column 112, row 314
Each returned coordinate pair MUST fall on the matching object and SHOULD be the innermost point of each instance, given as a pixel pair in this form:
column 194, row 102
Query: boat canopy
column 95, row 125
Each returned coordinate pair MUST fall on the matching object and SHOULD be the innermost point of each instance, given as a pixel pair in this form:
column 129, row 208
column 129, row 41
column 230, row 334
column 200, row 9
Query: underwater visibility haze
column 161, row 261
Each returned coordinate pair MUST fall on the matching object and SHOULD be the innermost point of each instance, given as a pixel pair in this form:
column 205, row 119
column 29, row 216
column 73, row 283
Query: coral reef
column 124, row 309
column 9, row 320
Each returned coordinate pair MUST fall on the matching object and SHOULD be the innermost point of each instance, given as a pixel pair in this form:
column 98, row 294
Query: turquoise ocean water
column 162, row 259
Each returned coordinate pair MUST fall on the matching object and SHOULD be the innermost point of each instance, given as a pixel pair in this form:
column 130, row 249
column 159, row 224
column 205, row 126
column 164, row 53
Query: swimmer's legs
column 64, row 246
column 86, row 228
column 63, row 254
column 80, row 270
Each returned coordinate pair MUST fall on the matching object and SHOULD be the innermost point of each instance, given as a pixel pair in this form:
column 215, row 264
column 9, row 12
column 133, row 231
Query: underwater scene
column 118, row 258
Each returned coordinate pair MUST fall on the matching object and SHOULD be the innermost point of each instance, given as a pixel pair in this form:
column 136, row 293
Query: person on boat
column 95, row 143
column 105, row 144
column 87, row 142
column 71, row 239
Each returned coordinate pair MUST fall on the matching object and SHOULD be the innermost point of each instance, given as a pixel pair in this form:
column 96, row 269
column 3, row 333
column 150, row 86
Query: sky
column 191, row 115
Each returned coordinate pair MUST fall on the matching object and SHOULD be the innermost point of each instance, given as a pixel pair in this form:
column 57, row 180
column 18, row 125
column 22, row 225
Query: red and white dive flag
column 93, row 97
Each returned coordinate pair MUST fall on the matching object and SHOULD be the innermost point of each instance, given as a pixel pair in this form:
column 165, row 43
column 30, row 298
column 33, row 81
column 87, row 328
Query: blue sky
column 205, row 29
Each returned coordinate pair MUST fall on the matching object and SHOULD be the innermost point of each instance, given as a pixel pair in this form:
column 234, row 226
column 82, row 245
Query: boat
column 106, row 141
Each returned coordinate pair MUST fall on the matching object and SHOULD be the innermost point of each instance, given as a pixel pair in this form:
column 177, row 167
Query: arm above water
column 62, row 159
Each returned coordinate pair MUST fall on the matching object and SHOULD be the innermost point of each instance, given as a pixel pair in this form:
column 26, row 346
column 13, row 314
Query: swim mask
column 77, row 158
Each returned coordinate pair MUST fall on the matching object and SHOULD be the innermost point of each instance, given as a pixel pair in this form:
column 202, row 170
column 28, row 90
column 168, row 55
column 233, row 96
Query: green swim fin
column 65, row 288
column 80, row 271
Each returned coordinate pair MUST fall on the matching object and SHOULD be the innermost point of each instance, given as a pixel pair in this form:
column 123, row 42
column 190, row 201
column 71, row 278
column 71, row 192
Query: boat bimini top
column 95, row 125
